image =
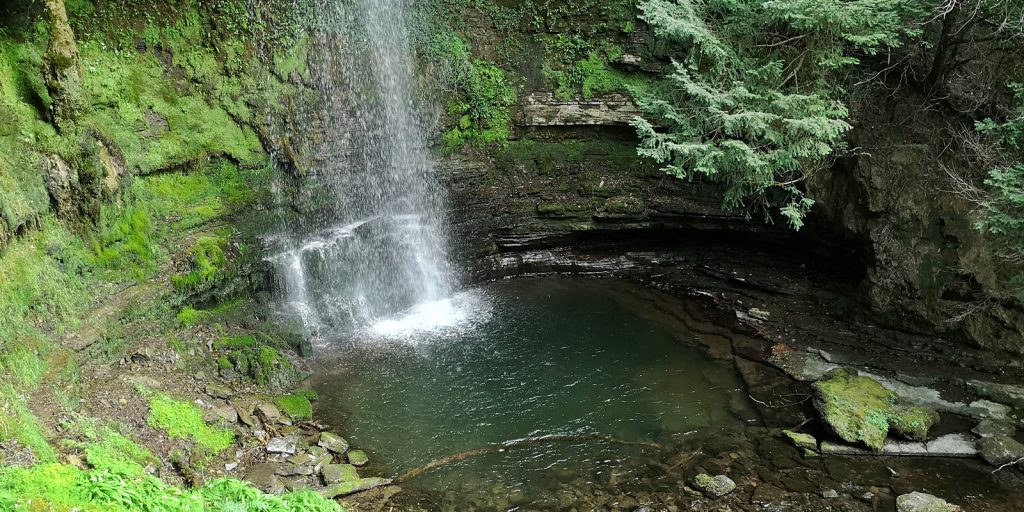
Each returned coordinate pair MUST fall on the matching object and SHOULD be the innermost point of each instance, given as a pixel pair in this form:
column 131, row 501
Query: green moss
column 624, row 205
column 296, row 406
column 208, row 266
column 256, row 359
column 859, row 409
column 242, row 341
column 184, row 420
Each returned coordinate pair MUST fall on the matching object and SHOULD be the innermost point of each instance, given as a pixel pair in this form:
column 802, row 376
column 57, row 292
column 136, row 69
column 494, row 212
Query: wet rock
column 801, row 366
column 1003, row 393
column 860, row 409
column 353, row 486
column 334, row 473
column 334, row 443
column 805, row 441
column 760, row 314
column 287, row 445
column 358, row 458
column 994, row 428
column 921, row 502
column 950, row 445
column 1000, row 450
column 268, row 412
column 714, row 487
column 264, row 477
column 218, row 391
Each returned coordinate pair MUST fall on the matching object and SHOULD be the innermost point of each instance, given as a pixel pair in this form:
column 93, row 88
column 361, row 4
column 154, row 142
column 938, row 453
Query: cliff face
column 571, row 177
column 929, row 268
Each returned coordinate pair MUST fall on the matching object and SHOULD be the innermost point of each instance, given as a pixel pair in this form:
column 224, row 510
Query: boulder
column 1000, row 450
column 335, row 473
column 714, row 487
column 860, row 409
column 334, row 443
column 218, row 391
column 994, row 428
column 353, row 486
column 226, row 412
column 287, row 445
column 268, row 412
column 358, row 458
column 264, row 477
column 921, row 502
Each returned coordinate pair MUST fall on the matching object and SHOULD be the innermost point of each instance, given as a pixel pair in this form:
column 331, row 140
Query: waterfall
column 372, row 239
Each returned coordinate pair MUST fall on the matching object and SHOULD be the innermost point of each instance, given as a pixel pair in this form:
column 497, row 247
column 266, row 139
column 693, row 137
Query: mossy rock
column 860, row 410
column 296, row 406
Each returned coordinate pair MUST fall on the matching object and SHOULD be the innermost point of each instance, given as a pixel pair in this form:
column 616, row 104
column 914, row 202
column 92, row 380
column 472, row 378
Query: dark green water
column 525, row 358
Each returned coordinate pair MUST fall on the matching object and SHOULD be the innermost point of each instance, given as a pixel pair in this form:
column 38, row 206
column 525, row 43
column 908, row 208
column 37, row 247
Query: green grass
column 184, row 420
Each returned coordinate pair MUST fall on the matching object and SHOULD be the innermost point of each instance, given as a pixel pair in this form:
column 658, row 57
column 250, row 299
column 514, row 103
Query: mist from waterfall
column 374, row 241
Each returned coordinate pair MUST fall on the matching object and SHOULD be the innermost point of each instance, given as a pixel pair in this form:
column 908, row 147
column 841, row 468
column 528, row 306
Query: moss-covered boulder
column 296, row 406
column 859, row 409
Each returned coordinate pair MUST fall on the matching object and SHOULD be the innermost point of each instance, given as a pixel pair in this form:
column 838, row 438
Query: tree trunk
column 62, row 68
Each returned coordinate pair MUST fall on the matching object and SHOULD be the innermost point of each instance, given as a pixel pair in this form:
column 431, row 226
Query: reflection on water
column 531, row 358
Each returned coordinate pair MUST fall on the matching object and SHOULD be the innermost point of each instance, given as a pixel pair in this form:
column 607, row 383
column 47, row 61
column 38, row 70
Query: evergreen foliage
column 753, row 100
column 1003, row 208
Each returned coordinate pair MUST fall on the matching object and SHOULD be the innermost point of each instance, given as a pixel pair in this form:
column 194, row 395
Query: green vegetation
column 483, row 93
column 207, row 266
column 296, row 406
column 256, row 359
column 1003, row 208
column 116, row 479
column 184, row 420
column 756, row 97
column 859, row 409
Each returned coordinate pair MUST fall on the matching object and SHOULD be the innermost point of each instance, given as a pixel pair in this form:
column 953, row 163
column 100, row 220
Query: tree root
column 519, row 443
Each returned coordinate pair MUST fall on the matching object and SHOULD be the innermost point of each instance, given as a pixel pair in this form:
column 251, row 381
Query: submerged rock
column 860, row 409
column 1000, row 450
column 714, row 487
column 800, row 440
column 921, row 502
column 358, row 458
column 334, row 443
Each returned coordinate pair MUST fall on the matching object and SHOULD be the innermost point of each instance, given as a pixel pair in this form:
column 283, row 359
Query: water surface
column 527, row 358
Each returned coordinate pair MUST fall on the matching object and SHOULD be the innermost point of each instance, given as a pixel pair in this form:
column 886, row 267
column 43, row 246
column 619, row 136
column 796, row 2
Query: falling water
column 374, row 242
